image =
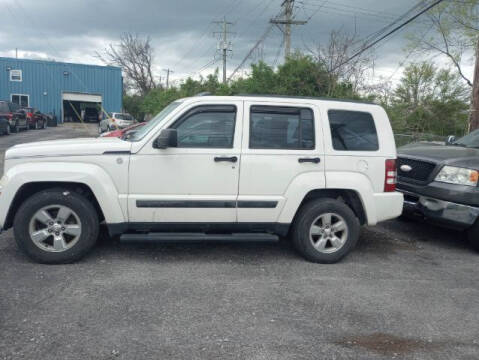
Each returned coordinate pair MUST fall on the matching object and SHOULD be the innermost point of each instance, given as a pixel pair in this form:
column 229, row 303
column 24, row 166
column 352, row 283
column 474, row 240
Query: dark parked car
column 35, row 119
column 440, row 183
column 13, row 114
column 4, row 126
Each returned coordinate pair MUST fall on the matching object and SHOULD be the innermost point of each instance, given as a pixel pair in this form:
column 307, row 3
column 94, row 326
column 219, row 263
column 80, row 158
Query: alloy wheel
column 55, row 228
column 328, row 233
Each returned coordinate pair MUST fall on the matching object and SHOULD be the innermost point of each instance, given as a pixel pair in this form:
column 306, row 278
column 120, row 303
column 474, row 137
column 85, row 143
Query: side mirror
column 451, row 139
column 168, row 138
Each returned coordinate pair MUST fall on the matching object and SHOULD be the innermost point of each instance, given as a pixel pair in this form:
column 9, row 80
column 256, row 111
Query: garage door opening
column 81, row 107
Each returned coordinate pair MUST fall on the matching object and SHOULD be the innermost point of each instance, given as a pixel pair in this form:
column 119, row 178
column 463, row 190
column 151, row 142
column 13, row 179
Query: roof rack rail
column 204, row 93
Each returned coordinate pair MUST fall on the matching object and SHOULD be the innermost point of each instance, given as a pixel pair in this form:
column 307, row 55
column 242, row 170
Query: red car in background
column 121, row 132
column 35, row 119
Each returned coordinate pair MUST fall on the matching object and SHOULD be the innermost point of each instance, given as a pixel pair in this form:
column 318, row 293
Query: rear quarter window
column 353, row 131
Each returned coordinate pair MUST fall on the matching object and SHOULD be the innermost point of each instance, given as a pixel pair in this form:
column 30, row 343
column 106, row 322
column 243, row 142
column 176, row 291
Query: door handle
column 232, row 159
column 316, row 160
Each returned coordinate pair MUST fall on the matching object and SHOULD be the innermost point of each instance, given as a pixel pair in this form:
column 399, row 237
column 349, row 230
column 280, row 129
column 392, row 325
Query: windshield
column 142, row 131
column 471, row 140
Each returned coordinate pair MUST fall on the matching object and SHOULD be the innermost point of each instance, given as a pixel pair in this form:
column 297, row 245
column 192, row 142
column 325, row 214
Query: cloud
column 182, row 31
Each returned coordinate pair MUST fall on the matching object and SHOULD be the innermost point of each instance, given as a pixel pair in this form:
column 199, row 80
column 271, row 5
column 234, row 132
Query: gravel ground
column 408, row 291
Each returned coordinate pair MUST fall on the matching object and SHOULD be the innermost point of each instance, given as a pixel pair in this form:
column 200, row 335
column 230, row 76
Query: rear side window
column 274, row 127
column 353, row 131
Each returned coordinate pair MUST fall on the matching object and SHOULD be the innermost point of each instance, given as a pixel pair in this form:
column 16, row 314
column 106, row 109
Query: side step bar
column 193, row 237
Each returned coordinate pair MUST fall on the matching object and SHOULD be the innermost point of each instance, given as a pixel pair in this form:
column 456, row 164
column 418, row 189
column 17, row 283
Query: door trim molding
column 243, row 204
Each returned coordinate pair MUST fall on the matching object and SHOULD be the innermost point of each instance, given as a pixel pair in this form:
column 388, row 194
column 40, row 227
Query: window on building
column 273, row 127
column 22, row 100
column 16, row 75
column 353, row 131
column 207, row 127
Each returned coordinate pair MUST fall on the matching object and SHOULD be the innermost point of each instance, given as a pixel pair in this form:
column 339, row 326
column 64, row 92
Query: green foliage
column 429, row 100
column 301, row 76
column 132, row 104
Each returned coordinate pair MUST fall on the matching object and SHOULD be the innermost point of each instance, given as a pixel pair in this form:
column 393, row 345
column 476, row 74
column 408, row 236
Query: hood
column 71, row 147
column 447, row 155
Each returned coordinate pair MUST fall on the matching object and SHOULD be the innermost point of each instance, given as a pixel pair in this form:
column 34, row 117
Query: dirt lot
column 409, row 291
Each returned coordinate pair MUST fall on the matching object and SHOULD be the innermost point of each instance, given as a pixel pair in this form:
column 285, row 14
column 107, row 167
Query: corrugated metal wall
column 45, row 81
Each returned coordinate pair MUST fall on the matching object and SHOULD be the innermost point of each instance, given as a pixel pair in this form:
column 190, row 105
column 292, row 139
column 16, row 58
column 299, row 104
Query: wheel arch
column 29, row 189
column 348, row 196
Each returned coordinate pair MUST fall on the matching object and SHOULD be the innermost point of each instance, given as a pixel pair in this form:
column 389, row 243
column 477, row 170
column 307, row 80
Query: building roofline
column 3, row 58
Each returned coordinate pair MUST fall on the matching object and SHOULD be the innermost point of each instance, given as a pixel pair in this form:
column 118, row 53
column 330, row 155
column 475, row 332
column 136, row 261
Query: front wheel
column 325, row 230
column 56, row 226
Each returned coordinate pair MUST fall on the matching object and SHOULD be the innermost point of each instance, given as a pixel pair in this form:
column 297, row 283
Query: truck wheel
column 56, row 226
column 473, row 235
column 325, row 231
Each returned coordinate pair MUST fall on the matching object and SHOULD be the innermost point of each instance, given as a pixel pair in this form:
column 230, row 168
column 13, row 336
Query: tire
column 7, row 130
column 473, row 236
column 331, row 246
column 45, row 124
column 36, row 125
column 82, row 221
column 16, row 128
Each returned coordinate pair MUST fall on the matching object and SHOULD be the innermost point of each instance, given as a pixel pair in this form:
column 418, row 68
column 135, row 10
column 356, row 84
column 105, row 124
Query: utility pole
column 287, row 21
column 474, row 116
column 168, row 71
column 224, row 46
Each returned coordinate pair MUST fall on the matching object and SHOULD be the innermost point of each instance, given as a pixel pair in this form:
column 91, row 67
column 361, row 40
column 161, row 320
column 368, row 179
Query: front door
column 197, row 181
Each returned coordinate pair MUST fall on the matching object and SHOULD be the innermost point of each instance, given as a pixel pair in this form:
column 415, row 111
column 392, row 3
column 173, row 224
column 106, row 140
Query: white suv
column 115, row 121
column 245, row 168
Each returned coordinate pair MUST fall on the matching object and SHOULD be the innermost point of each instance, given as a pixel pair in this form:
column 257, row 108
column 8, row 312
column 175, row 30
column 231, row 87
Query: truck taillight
column 391, row 174
column 30, row 115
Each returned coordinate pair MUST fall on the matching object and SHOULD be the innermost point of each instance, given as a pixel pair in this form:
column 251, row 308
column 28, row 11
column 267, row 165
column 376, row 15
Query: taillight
column 391, row 174
column 10, row 116
column 30, row 115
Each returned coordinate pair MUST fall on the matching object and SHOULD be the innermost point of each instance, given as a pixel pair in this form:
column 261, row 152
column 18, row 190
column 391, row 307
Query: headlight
column 457, row 175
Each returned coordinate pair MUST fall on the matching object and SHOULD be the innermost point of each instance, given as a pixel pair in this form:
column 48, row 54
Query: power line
column 397, row 28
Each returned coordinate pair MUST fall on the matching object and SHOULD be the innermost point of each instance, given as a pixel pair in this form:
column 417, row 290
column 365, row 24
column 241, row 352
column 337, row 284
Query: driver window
column 207, row 127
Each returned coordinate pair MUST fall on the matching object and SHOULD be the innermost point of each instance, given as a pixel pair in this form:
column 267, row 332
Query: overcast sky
column 182, row 30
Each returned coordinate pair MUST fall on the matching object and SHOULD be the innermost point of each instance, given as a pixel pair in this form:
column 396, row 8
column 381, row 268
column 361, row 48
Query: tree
column 455, row 36
column 135, row 56
column 431, row 100
column 333, row 58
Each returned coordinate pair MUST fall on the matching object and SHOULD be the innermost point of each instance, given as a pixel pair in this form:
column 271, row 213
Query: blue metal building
column 63, row 89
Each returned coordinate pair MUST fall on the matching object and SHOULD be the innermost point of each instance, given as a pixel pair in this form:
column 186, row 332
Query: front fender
column 90, row 175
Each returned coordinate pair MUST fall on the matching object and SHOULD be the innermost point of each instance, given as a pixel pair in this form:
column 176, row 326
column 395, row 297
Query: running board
column 197, row 237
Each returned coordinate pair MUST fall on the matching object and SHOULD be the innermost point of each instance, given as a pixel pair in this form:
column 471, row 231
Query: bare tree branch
column 135, row 56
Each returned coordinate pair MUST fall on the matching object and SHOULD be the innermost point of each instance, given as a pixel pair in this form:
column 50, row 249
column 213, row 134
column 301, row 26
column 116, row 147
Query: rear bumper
column 388, row 206
column 445, row 212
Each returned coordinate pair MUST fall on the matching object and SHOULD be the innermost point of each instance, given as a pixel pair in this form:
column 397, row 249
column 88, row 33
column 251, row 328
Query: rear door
column 281, row 141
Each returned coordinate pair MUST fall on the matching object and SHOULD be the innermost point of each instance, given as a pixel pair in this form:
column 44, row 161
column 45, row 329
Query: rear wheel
column 325, row 230
column 16, row 128
column 56, row 226
column 7, row 130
